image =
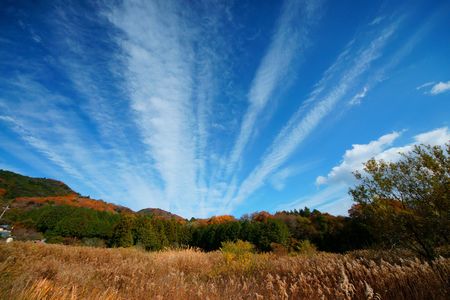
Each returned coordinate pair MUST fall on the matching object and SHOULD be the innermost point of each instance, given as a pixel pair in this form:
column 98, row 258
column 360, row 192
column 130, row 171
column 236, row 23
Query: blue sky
column 219, row 107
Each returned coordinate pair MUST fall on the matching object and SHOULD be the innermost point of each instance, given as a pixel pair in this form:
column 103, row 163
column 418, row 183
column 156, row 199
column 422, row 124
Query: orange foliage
column 261, row 216
column 201, row 222
column 357, row 209
column 71, row 199
column 221, row 219
column 2, row 192
column 215, row 220
column 164, row 218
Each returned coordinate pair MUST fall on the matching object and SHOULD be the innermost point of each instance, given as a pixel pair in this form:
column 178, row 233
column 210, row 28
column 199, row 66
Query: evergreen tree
column 145, row 235
column 123, row 232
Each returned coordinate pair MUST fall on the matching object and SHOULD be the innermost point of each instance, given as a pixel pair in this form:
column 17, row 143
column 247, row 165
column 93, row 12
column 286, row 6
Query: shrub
column 237, row 248
column 306, row 247
column 238, row 255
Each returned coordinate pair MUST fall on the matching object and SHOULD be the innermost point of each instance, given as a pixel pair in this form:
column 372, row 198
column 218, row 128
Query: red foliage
column 262, row 216
column 71, row 199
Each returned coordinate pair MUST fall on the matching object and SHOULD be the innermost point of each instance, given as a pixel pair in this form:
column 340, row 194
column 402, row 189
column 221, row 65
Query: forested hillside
column 46, row 208
column 13, row 185
column 403, row 204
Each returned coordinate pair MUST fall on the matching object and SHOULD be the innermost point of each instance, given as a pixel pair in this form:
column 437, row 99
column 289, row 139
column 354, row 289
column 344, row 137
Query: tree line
column 397, row 204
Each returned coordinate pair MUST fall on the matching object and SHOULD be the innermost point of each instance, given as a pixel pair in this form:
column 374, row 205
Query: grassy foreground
column 39, row 271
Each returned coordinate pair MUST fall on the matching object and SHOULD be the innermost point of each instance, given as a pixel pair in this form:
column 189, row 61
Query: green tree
column 263, row 234
column 48, row 217
column 123, row 232
column 407, row 203
column 145, row 235
column 160, row 230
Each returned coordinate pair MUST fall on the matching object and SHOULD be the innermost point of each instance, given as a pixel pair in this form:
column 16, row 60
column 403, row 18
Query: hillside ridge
column 25, row 192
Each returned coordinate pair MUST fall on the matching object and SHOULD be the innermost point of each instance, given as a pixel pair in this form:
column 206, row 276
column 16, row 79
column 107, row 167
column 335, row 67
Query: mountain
column 160, row 213
column 13, row 185
column 25, row 192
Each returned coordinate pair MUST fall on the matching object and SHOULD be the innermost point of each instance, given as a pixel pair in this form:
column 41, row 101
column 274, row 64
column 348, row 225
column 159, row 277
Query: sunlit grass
column 39, row 271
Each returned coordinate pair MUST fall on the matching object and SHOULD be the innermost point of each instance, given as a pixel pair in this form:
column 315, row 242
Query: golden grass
column 35, row 271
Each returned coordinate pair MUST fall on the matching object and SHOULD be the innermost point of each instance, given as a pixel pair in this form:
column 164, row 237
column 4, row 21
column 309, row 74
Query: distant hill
column 160, row 213
column 27, row 192
column 13, row 185
column 24, row 193
column 71, row 200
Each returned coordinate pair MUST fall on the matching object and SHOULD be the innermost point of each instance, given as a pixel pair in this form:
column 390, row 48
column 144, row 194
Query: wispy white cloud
column 44, row 132
column 323, row 99
column 135, row 115
column 289, row 41
column 425, row 85
column 440, row 88
column 381, row 73
column 377, row 20
column 133, row 126
column 60, row 136
column 278, row 179
column 86, row 134
column 322, row 199
column 170, row 86
column 359, row 96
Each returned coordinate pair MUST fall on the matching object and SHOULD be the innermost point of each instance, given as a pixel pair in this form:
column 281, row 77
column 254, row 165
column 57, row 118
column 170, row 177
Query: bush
column 237, row 248
column 306, row 247
column 237, row 255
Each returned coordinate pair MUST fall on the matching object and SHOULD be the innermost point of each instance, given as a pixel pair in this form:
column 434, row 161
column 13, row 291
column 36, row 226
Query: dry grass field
column 39, row 271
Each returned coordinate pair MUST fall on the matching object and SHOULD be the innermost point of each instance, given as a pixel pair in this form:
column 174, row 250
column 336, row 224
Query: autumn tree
column 407, row 203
